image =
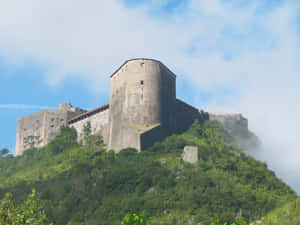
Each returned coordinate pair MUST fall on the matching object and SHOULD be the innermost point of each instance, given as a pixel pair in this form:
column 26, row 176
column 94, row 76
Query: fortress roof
column 146, row 59
column 88, row 114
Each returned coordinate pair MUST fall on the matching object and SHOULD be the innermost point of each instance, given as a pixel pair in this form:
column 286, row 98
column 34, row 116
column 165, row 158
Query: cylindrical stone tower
column 143, row 96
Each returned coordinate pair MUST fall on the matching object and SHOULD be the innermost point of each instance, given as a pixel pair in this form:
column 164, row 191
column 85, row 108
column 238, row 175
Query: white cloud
column 24, row 106
column 90, row 37
column 72, row 37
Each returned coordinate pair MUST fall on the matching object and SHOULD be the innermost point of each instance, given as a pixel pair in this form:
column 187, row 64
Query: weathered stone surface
column 190, row 154
column 99, row 125
column 143, row 94
column 38, row 129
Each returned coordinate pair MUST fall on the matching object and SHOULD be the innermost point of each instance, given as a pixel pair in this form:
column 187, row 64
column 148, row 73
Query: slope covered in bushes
column 89, row 185
column 286, row 214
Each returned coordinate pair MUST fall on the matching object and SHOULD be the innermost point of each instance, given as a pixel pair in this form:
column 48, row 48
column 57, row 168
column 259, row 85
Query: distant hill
column 89, row 185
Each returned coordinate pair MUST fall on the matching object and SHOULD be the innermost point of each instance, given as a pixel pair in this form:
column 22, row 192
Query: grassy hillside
column 89, row 185
column 287, row 214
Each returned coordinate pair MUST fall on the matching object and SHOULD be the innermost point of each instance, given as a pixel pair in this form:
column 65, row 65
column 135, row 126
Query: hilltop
column 89, row 185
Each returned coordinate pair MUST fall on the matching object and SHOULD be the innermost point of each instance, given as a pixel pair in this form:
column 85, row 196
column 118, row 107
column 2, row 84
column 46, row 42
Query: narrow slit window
column 142, row 82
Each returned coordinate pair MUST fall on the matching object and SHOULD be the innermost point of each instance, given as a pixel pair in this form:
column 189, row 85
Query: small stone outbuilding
column 190, row 154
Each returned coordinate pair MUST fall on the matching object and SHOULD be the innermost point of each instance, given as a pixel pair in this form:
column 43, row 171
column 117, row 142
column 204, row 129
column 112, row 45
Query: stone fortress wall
column 38, row 129
column 99, row 122
column 231, row 121
column 143, row 109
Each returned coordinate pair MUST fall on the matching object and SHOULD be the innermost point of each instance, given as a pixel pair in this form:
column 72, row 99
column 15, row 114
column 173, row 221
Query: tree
column 30, row 212
column 3, row 152
column 87, row 129
column 127, row 152
column 66, row 139
column 68, row 133
column 7, row 207
column 95, row 140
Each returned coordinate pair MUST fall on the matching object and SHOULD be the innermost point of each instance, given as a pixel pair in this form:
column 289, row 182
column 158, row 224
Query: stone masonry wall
column 30, row 132
column 38, row 129
column 99, row 125
column 186, row 115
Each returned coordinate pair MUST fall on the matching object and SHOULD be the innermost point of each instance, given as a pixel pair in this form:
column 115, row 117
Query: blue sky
column 229, row 56
column 25, row 91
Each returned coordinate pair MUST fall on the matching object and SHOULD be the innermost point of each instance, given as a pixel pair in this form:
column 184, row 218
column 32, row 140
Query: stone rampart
column 231, row 121
column 186, row 115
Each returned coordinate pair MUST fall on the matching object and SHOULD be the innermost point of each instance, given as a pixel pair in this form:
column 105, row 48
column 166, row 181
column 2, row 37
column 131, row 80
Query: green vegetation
column 136, row 219
column 3, row 152
column 237, row 222
column 30, row 212
column 288, row 214
column 89, row 185
column 141, row 219
column 87, row 129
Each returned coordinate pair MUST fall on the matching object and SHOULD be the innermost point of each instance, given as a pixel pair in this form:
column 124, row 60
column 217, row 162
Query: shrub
column 135, row 219
column 95, row 140
column 127, row 152
column 65, row 140
column 30, row 212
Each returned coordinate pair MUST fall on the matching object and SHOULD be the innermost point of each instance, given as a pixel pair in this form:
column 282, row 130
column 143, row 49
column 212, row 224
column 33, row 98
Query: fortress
column 143, row 109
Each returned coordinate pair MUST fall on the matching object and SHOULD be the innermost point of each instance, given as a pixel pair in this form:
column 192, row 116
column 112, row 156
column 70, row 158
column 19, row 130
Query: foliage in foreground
column 30, row 212
column 141, row 219
column 89, row 185
column 236, row 222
